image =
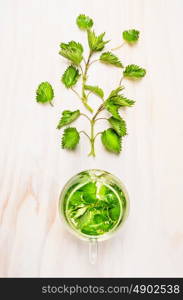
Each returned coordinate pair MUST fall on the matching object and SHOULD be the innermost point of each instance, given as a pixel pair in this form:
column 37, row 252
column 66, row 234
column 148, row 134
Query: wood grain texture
column 33, row 168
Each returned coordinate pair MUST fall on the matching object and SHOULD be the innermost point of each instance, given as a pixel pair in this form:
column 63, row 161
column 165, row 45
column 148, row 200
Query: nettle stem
column 84, row 77
column 82, row 131
column 92, row 134
column 121, row 79
column 119, row 47
column 94, row 61
column 92, row 139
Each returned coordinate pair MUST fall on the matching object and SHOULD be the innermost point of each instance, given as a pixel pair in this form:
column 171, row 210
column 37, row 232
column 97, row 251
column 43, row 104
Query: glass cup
column 93, row 205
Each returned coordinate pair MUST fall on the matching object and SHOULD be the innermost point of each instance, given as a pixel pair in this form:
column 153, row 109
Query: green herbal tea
column 94, row 207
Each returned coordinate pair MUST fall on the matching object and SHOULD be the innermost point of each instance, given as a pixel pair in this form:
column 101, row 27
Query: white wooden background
column 33, row 168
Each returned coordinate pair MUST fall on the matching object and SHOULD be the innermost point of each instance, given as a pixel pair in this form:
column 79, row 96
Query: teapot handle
column 93, row 251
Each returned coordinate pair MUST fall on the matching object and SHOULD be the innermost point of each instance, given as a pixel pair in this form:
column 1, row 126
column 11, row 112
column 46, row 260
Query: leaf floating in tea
column 94, row 213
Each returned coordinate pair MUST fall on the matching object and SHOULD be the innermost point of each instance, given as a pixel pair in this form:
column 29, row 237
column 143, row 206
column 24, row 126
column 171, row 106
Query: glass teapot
column 93, row 205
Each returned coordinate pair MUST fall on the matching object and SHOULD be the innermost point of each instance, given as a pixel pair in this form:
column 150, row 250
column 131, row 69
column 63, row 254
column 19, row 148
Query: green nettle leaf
column 111, row 141
column 95, row 89
column 115, row 101
column 114, row 212
column 110, row 58
column 99, row 218
column 118, row 99
column 70, row 138
column 76, row 200
column 116, row 91
column 134, row 72
column 96, row 43
column 44, row 92
column 72, row 51
column 131, row 36
column 89, row 188
column 103, row 191
column 80, row 212
column 122, row 101
column 111, row 199
column 118, row 125
column 89, row 192
column 112, row 108
column 68, row 117
column 84, row 22
column 70, row 76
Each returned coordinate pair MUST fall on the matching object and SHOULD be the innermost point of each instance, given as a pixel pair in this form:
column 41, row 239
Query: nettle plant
column 78, row 70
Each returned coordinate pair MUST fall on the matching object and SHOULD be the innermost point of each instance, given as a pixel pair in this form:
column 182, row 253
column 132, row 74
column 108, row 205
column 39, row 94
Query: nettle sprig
column 78, row 70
